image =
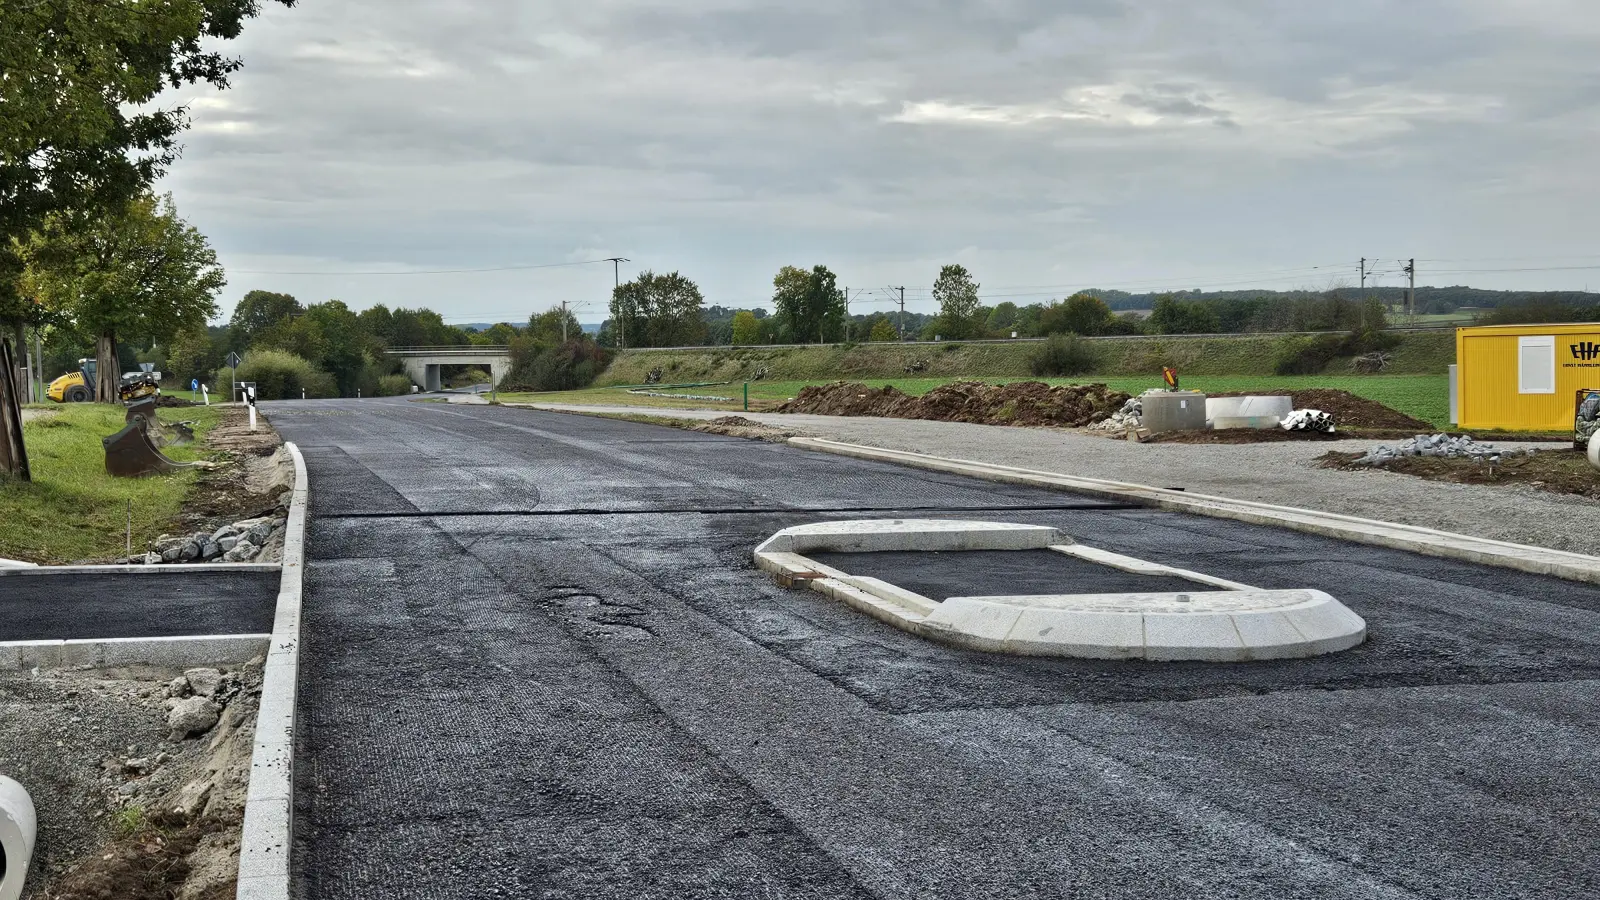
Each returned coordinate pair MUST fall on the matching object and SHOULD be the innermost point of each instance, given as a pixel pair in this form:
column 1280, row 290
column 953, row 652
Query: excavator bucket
column 130, row 454
column 142, row 411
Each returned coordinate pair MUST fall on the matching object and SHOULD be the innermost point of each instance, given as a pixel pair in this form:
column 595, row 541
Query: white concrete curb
column 269, row 806
column 1427, row 541
column 1219, row 621
column 167, row 652
column 6, row 564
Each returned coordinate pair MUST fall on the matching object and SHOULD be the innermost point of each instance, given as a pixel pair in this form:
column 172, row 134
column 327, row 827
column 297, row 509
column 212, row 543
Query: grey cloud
column 1054, row 142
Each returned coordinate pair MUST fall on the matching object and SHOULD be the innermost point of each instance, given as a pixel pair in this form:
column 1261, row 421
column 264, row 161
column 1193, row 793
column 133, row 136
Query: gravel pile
column 249, row 540
column 1441, row 445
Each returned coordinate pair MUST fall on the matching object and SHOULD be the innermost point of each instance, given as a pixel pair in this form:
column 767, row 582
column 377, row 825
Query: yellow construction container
column 1524, row 377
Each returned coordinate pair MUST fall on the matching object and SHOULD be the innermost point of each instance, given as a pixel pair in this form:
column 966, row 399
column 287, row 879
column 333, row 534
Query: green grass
column 1426, row 397
column 1252, row 354
column 73, row 510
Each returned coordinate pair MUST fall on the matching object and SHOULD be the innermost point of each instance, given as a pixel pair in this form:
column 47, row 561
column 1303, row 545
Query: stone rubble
column 251, row 540
column 1131, row 415
column 1443, row 445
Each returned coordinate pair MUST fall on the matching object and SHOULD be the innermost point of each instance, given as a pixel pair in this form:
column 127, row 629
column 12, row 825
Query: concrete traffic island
column 1218, row 621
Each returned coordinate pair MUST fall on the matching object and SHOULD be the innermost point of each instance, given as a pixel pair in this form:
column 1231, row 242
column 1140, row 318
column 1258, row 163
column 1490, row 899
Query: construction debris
column 1309, row 420
column 1447, row 446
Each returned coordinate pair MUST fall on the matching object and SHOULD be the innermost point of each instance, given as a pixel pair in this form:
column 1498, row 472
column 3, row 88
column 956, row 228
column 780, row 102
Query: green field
column 1418, row 353
column 1426, row 397
column 72, row 510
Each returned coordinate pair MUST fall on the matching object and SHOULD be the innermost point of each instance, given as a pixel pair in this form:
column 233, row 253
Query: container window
column 1536, row 364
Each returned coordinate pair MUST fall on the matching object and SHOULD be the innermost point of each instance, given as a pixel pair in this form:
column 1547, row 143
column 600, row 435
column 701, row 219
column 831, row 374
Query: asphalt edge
column 1413, row 538
column 268, row 830
column 133, row 569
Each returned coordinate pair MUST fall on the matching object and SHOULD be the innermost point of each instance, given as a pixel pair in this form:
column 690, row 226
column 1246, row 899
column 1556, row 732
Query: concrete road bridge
column 422, row 363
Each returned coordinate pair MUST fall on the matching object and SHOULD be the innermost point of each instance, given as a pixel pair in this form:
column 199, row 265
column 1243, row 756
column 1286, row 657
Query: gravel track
column 1282, row 473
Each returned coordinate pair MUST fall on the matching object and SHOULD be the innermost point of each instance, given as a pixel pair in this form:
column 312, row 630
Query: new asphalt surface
column 532, row 669
column 170, row 603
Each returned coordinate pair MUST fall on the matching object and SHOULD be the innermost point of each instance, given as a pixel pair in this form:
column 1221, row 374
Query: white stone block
column 1192, row 637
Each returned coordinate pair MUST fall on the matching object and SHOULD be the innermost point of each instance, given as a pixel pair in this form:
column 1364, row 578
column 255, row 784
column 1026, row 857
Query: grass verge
column 73, row 510
column 1425, row 397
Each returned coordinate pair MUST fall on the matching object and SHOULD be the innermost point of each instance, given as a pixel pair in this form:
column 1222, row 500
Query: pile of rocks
column 1131, row 415
column 245, row 541
column 1444, row 445
column 1308, row 420
column 195, row 701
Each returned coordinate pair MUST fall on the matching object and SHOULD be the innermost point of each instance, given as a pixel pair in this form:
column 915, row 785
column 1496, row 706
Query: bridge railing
column 453, row 348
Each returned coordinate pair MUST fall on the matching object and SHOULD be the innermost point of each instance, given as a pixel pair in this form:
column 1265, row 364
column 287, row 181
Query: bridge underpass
column 423, row 364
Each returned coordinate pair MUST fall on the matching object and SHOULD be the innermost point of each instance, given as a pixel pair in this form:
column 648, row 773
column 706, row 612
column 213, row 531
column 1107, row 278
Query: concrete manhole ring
column 1218, row 621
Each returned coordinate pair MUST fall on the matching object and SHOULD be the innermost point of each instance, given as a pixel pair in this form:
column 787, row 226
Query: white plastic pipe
column 1594, row 449
column 18, row 828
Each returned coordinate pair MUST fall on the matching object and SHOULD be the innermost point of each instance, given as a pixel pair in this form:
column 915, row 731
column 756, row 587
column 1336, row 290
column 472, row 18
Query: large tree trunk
column 108, row 374
column 13, row 455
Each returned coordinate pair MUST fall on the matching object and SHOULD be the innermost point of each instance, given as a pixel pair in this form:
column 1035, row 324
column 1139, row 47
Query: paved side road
column 1285, row 473
column 529, row 671
column 172, row 603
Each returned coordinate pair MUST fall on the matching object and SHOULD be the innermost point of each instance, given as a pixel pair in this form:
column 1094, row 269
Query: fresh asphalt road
column 539, row 663
column 168, row 603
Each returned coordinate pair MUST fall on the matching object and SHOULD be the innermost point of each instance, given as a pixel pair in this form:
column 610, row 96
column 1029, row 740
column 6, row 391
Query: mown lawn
column 72, row 510
column 1426, row 397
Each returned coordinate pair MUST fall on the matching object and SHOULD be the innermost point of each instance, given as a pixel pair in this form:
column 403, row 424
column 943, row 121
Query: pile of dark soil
column 1564, row 471
column 167, row 400
column 1022, row 403
column 1348, row 410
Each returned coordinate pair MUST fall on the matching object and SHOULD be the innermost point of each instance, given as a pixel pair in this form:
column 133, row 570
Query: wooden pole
column 13, row 455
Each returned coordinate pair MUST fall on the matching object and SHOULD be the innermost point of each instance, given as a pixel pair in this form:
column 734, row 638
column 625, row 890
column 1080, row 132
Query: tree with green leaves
column 658, row 311
column 883, row 330
column 1082, row 313
column 258, row 311
column 1173, row 316
column 810, row 306
column 960, row 311
column 554, row 326
column 79, row 130
column 746, row 328
column 139, row 274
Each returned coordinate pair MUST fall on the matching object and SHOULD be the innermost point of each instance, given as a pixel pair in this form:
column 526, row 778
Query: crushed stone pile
column 1442, row 445
column 1022, row 403
column 1131, row 415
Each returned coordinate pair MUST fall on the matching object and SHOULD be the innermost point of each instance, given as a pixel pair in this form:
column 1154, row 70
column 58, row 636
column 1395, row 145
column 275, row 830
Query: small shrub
column 570, row 366
column 392, row 386
column 1063, row 354
column 280, row 375
column 950, row 348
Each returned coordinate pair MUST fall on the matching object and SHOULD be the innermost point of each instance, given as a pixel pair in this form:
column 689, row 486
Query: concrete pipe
column 17, row 830
column 1594, row 449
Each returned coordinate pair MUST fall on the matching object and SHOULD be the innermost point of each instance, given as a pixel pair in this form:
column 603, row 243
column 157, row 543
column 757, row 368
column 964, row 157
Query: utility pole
column 563, row 321
column 616, row 279
column 902, row 291
column 1363, row 278
column 1411, row 290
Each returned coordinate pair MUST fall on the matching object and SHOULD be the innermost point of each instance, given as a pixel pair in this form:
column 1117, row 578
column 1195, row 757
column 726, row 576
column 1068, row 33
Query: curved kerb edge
column 1221, row 621
column 269, row 806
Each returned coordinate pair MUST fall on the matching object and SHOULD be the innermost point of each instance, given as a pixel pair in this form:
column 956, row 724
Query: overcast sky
column 1048, row 145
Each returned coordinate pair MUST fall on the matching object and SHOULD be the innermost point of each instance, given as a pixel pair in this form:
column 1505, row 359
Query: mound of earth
column 1022, row 403
column 1348, row 410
